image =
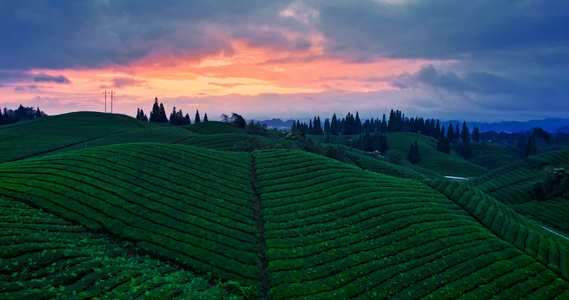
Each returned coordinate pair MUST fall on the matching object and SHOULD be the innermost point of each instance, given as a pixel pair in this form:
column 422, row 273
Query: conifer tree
column 476, row 134
column 205, row 117
column 327, row 126
column 384, row 124
column 456, row 132
column 414, row 155
column 162, row 114
column 197, row 118
column 334, row 126
column 187, row 120
column 174, row 117
column 155, row 113
column 464, row 134
column 357, row 124
column 450, row 133
column 531, row 146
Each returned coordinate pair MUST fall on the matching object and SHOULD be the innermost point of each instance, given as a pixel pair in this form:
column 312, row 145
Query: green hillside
column 44, row 135
column 44, row 256
column 164, row 212
column 513, row 184
column 452, row 164
column 329, row 230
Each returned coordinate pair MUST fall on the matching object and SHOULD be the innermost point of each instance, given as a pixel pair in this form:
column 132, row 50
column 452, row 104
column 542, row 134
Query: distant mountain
column 552, row 125
column 564, row 129
column 277, row 123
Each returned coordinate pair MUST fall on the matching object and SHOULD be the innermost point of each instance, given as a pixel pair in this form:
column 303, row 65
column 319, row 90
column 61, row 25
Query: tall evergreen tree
column 476, row 134
column 205, row 117
column 456, row 132
column 197, row 118
column 357, row 124
column 414, row 154
column 155, row 113
column 465, row 134
column 531, row 146
column 327, row 126
column 450, row 132
column 334, row 126
column 162, row 114
column 174, row 117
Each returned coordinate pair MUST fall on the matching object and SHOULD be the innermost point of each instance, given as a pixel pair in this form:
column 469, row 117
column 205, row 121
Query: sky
column 483, row 60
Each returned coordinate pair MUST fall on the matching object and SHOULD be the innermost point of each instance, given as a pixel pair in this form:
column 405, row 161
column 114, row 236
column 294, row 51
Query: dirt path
column 261, row 231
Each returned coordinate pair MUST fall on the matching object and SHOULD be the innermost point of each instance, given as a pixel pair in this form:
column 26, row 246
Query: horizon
column 475, row 62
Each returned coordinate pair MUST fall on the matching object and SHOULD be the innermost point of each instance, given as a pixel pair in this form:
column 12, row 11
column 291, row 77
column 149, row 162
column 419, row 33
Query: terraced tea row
column 547, row 248
column 44, row 257
column 512, row 184
column 183, row 203
column 47, row 134
column 386, row 168
column 552, row 213
column 334, row 231
column 215, row 141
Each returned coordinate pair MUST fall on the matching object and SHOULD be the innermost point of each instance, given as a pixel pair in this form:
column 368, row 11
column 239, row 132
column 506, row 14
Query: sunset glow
column 300, row 58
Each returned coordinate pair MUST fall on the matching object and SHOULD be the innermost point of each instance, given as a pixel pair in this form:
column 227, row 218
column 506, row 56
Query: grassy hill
column 513, row 184
column 184, row 220
column 452, row 164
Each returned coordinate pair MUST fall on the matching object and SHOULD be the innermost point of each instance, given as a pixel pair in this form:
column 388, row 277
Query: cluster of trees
column 554, row 184
column 414, row 154
column 397, row 122
column 9, row 116
column 235, row 119
column 368, row 142
column 158, row 115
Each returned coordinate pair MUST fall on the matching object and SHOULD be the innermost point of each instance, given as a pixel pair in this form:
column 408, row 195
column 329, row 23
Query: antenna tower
column 105, row 92
column 112, row 93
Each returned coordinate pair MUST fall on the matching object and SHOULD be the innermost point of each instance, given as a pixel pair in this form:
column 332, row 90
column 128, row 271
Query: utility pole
column 105, row 92
column 112, row 93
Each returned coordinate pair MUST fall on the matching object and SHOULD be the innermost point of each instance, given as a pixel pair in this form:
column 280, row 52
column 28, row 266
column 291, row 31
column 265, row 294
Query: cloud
column 49, row 78
column 476, row 82
column 121, row 82
column 20, row 88
column 226, row 85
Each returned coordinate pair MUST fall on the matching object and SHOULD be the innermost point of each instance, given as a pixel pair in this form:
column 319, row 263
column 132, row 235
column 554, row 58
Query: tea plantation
column 163, row 212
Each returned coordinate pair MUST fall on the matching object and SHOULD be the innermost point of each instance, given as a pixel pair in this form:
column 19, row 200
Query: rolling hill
column 168, row 212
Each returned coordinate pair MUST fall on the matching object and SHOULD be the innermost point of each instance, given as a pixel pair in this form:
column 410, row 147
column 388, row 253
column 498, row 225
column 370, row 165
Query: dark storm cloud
column 69, row 34
column 49, row 78
column 443, row 29
column 482, row 83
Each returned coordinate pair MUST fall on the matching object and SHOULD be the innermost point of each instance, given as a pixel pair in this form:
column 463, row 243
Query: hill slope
column 292, row 224
column 512, row 185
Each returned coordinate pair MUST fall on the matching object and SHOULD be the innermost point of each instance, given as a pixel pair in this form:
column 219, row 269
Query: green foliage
column 158, row 113
column 238, row 121
column 443, row 145
column 44, row 256
column 414, row 153
column 554, row 183
column 331, row 229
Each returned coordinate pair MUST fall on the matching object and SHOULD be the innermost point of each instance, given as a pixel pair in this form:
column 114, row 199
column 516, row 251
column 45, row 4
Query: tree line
column 371, row 131
column 177, row 117
column 9, row 116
